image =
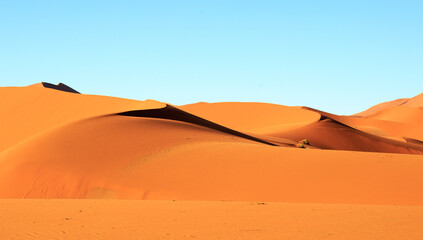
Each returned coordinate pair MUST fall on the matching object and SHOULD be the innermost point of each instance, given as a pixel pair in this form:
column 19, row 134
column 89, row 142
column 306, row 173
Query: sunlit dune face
column 63, row 144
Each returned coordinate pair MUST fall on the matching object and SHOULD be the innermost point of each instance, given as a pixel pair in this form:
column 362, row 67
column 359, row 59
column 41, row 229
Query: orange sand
column 27, row 111
column 118, row 219
column 58, row 144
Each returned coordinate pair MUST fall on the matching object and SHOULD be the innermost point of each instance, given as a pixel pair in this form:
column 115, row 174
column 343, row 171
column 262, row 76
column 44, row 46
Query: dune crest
column 61, row 87
column 33, row 109
column 416, row 101
column 62, row 145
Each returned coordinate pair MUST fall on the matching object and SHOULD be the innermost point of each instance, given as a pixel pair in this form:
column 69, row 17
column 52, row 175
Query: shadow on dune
column 60, row 87
column 172, row 113
column 331, row 133
column 412, row 140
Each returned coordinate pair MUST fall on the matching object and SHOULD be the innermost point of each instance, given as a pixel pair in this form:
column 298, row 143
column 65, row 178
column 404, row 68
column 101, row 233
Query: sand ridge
column 86, row 146
column 75, row 166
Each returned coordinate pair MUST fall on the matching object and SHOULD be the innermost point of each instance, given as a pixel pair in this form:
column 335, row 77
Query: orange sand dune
column 416, row 101
column 27, row 111
column 331, row 132
column 258, row 118
column 401, row 114
column 381, row 106
column 60, row 144
column 375, row 126
column 105, row 149
column 100, row 147
column 383, row 128
column 119, row 219
column 304, row 123
column 116, row 156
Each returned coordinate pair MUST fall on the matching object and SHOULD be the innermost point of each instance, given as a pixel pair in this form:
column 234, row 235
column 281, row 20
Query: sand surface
column 114, row 167
column 120, row 219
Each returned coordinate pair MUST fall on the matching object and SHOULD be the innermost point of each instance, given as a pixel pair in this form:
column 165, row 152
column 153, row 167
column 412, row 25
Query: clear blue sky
column 337, row 56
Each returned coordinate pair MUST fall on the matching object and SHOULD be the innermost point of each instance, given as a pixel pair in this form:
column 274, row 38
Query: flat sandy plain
column 147, row 219
column 77, row 166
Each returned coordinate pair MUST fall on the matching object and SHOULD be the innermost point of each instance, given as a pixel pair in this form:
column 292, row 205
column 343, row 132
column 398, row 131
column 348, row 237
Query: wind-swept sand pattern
column 354, row 175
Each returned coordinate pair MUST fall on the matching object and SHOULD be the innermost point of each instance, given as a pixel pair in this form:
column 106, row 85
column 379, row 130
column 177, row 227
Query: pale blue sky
column 337, row 56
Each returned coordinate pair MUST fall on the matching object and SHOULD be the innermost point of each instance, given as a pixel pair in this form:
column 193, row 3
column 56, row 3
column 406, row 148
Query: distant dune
column 59, row 144
column 416, row 101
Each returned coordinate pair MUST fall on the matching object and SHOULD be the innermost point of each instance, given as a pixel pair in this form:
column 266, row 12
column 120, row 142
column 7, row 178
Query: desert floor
column 146, row 219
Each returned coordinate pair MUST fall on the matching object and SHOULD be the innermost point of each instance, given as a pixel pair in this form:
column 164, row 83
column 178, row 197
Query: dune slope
column 30, row 110
column 84, row 146
column 259, row 118
column 128, row 157
column 416, row 101
column 329, row 133
column 326, row 131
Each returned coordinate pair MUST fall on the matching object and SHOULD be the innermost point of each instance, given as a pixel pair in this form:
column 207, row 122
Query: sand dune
column 325, row 130
column 258, row 118
column 60, row 144
column 34, row 109
column 416, row 101
column 104, row 148
column 173, row 113
column 328, row 133
column 117, row 156
column 401, row 114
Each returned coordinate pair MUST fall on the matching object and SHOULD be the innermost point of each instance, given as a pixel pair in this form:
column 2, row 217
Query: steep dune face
column 330, row 134
column 173, row 113
column 388, row 129
column 341, row 133
column 27, row 111
column 324, row 130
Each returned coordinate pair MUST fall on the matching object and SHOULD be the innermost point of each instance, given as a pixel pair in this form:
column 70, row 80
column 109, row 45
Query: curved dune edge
column 173, row 113
column 329, row 133
column 330, row 128
column 61, row 87
column 382, row 106
column 252, row 117
column 150, row 158
column 111, row 137
column 416, row 101
column 34, row 109
column 383, row 128
column 412, row 140
column 85, row 146
column 400, row 114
